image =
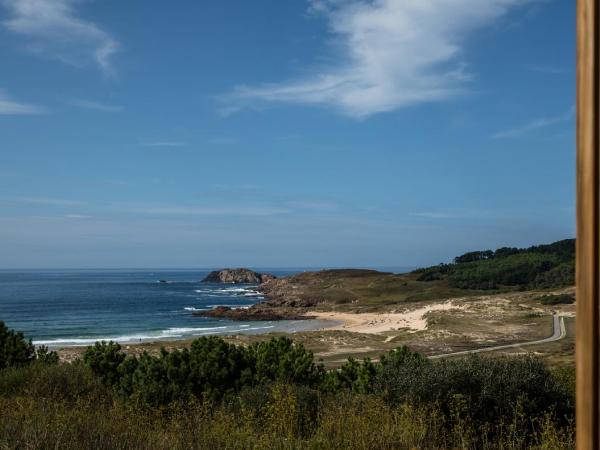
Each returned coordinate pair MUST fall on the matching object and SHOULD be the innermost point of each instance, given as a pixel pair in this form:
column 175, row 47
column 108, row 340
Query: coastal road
column 559, row 332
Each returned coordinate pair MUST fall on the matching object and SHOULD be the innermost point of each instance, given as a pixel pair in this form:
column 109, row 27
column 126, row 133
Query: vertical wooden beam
column 588, row 204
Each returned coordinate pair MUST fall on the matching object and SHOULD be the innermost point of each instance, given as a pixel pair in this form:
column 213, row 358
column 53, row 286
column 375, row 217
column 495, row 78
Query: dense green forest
column 537, row 267
column 273, row 394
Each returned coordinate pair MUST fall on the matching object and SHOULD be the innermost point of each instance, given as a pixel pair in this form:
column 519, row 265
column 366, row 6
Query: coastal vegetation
column 16, row 351
column 273, row 394
column 537, row 267
column 558, row 299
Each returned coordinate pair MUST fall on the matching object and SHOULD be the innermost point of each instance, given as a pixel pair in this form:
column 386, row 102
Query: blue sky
column 283, row 133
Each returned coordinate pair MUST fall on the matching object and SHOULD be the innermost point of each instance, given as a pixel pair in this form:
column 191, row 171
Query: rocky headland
column 294, row 297
column 240, row 275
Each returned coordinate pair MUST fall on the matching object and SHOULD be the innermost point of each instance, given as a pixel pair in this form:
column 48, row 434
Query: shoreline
column 410, row 320
column 280, row 326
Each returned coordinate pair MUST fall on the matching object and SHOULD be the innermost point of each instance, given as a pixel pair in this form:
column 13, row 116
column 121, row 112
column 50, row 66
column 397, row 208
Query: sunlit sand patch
column 413, row 320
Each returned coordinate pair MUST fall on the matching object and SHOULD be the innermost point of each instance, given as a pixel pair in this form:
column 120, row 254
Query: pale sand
column 412, row 320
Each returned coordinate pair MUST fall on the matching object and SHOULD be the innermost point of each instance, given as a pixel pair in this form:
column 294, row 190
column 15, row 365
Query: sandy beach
column 375, row 323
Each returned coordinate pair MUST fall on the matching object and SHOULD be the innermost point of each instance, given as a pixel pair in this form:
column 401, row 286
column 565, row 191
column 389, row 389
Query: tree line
column 536, row 267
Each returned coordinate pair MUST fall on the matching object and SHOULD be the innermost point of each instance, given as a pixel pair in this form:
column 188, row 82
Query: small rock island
column 240, row 275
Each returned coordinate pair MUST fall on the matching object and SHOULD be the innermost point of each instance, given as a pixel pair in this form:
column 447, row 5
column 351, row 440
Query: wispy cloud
column 236, row 187
column 46, row 201
column 312, row 205
column 9, row 106
column 164, row 144
column 77, row 216
column 96, row 106
column 55, row 31
column 389, row 54
column 534, row 125
column 433, row 215
column 192, row 210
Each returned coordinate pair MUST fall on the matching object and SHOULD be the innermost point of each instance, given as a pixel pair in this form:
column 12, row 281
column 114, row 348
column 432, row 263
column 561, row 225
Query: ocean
column 60, row 308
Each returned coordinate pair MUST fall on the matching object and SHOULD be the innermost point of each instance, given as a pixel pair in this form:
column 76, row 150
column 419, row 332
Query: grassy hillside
column 474, row 273
column 356, row 290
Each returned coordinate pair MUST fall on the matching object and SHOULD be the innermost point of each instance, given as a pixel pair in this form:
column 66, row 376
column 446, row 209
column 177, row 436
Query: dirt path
column 559, row 332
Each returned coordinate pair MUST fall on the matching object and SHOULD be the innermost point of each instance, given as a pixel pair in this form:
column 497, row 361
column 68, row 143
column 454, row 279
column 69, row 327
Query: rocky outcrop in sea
column 240, row 275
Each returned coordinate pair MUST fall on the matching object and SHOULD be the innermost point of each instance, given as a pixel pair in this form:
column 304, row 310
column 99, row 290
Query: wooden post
column 588, row 204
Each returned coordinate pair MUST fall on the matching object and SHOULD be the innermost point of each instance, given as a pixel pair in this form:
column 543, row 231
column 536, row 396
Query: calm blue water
column 78, row 307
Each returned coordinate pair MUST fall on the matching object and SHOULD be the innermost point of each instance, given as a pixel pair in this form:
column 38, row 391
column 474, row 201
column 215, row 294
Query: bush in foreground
column 16, row 351
column 488, row 389
column 273, row 395
column 211, row 368
column 286, row 417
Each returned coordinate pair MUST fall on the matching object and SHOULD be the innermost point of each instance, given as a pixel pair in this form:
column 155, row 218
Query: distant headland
column 240, row 275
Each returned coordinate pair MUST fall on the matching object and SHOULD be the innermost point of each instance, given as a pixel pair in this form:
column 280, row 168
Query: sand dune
column 411, row 319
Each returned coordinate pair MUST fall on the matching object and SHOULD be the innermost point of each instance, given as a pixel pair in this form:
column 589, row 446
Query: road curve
column 559, row 332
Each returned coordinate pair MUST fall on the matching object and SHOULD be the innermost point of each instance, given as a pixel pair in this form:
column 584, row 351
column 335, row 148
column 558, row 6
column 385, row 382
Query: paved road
column 559, row 332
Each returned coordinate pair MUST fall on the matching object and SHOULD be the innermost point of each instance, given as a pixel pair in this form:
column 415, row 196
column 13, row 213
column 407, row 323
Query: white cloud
column 164, row 144
column 536, row 124
column 390, row 54
column 54, row 31
column 9, row 106
column 77, row 216
column 96, row 106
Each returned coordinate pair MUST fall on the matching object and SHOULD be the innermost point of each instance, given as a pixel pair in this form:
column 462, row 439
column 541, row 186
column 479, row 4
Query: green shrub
column 104, row 359
column 565, row 379
column 490, row 387
column 57, row 382
column 215, row 395
column 559, row 299
column 354, row 375
column 14, row 349
column 45, row 356
column 561, row 275
column 211, row 368
column 217, row 367
column 402, row 377
column 281, row 360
